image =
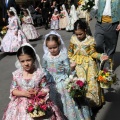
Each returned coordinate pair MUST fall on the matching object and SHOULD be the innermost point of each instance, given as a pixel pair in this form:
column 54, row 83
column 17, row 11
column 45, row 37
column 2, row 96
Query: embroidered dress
column 12, row 42
column 29, row 30
column 83, row 54
column 57, row 70
column 16, row 109
column 55, row 22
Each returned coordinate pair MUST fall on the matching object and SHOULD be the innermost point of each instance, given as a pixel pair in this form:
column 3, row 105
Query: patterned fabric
column 29, row 30
column 83, row 54
column 16, row 109
column 12, row 42
column 54, row 22
column 57, row 70
column 115, row 8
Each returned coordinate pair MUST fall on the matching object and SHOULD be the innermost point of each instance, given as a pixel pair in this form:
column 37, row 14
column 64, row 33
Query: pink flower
column 30, row 108
column 44, row 107
column 105, row 70
column 80, row 83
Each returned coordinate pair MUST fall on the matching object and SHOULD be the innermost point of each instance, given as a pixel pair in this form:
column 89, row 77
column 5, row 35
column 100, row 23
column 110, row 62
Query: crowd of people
column 80, row 60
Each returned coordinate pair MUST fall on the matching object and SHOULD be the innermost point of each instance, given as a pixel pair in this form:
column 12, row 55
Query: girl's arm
column 15, row 92
column 45, row 69
column 14, row 25
column 97, row 55
column 71, row 50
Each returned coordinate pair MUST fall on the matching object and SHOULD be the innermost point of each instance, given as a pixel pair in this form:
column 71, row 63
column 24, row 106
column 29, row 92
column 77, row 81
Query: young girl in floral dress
column 26, row 83
column 27, row 26
column 56, row 66
column 82, row 55
column 55, row 20
column 14, row 37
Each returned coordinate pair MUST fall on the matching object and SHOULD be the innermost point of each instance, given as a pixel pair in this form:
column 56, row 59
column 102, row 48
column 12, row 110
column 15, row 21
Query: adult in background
column 6, row 4
column 107, row 26
column 45, row 6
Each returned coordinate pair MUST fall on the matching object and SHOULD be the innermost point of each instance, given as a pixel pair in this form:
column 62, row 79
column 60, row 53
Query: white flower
column 88, row 5
column 109, row 79
column 1, row 32
column 67, row 80
column 75, row 79
column 71, row 76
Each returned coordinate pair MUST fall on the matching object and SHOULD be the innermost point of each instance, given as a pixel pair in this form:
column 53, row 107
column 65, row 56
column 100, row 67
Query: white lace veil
column 30, row 16
column 73, row 13
column 62, row 46
column 66, row 13
column 37, row 61
column 14, row 10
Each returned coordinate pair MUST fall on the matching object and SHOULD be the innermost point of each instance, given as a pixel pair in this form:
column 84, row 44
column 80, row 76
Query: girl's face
column 26, row 62
column 61, row 8
column 53, row 48
column 81, row 34
column 25, row 13
column 8, row 14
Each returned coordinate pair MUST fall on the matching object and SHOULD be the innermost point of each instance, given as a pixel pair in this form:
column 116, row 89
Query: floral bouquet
column 4, row 30
column 106, row 77
column 80, row 2
column 38, row 104
column 61, row 15
column 88, row 4
column 76, row 86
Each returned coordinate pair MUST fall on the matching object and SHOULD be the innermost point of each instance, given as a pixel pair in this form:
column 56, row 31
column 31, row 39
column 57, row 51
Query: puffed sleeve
column 14, row 25
column 13, row 86
column 71, row 50
column 45, row 69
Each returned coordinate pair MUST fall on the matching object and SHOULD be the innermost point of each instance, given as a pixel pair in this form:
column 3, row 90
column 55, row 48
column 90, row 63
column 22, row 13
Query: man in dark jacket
column 6, row 4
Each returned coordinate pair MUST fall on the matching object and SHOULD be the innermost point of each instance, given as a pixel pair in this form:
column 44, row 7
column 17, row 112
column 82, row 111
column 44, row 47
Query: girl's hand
column 16, row 33
column 33, row 91
column 72, row 66
column 27, row 94
column 104, row 57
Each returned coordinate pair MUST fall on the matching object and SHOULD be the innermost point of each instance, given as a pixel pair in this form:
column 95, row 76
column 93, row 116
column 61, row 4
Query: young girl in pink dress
column 14, row 37
column 25, row 84
column 27, row 26
column 55, row 20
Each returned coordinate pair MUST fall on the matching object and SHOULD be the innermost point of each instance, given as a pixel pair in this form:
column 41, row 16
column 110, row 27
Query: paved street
column 111, row 109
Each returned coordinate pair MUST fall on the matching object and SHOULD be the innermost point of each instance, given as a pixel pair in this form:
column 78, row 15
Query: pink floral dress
column 29, row 30
column 16, row 109
column 11, row 41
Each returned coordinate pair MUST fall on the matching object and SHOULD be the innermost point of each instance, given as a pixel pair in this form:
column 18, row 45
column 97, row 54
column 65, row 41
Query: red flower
column 30, row 108
column 80, row 83
column 44, row 107
column 105, row 70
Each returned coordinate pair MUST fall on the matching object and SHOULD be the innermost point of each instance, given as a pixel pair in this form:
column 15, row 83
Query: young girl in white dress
column 55, row 20
column 27, row 26
column 14, row 37
column 63, row 18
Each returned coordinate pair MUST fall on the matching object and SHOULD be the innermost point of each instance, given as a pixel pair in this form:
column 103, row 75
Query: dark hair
column 53, row 37
column 25, row 11
column 80, row 24
column 26, row 50
column 11, row 13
